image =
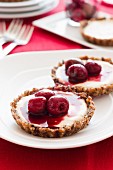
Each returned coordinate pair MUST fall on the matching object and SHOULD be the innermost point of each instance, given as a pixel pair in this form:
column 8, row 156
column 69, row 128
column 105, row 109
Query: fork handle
column 9, row 48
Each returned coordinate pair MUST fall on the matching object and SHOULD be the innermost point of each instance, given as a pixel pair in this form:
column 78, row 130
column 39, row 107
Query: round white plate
column 20, row 4
column 30, row 13
column 26, row 8
column 27, row 70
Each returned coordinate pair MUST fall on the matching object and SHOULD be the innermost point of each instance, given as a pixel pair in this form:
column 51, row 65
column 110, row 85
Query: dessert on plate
column 98, row 31
column 52, row 112
column 85, row 74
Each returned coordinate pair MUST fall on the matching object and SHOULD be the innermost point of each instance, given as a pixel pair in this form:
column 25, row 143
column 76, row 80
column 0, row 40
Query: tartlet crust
column 57, row 132
column 102, row 42
column 92, row 91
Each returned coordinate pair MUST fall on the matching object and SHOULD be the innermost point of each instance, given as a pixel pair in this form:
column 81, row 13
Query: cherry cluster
column 79, row 10
column 46, row 102
column 78, row 72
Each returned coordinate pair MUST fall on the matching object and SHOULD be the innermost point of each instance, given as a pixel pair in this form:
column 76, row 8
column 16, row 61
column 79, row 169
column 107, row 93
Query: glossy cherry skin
column 37, row 106
column 79, row 10
column 78, row 15
column 77, row 73
column 72, row 61
column 79, row 3
column 89, row 10
column 93, row 68
column 57, row 105
column 45, row 93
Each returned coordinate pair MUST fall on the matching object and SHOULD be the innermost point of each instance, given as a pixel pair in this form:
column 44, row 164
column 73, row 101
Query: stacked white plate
column 28, row 8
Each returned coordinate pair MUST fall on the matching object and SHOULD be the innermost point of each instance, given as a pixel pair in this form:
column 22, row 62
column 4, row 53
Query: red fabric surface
column 97, row 156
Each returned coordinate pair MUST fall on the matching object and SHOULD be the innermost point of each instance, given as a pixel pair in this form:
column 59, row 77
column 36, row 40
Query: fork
column 2, row 31
column 12, row 31
column 2, row 28
column 22, row 39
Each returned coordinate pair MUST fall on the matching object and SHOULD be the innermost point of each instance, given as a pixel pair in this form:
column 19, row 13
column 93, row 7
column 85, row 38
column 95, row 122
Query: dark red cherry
column 70, row 62
column 79, row 3
column 37, row 105
column 45, row 93
column 57, row 105
column 89, row 9
column 77, row 73
column 93, row 68
column 78, row 15
column 70, row 7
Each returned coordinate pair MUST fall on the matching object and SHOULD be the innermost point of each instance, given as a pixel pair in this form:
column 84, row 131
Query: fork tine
column 29, row 31
column 22, row 31
column 25, row 33
column 3, row 26
column 17, row 26
column 14, row 25
column 11, row 25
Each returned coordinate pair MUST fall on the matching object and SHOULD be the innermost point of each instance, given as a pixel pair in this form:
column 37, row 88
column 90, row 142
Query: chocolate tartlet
column 94, row 85
column 66, row 112
column 98, row 31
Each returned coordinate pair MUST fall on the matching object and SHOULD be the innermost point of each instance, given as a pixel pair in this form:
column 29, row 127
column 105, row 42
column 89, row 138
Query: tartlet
column 94, row 86
column 98, row 31
column 64, row 128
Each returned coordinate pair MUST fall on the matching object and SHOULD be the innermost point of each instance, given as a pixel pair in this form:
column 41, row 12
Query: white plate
column 30, row 13
column 58, row 24
column 20, row 4
column 27, row 70
column 26, row 8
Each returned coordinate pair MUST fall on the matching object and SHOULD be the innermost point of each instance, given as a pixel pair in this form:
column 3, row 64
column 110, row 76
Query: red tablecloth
column 97, row 156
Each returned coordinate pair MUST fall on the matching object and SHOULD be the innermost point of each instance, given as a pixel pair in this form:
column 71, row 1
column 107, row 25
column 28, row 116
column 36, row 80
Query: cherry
column 57, row 105
column 78, row 15
column 70, row 7
column 77, row 73
column 79, row 3
column 93, row 68
column 79, row 10
column 89, row 10
column 45, row 93
column 37, row 105
column 70, row 62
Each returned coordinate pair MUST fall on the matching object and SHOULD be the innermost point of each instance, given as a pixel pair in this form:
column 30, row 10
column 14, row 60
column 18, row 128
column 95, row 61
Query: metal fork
column 2, row 28
column 12, row 31
column 22, row 39
column 2, row 31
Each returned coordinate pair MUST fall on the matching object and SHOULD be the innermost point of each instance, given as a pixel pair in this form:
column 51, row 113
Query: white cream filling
column 77, row 109
column 102, row 29
column 106, row 75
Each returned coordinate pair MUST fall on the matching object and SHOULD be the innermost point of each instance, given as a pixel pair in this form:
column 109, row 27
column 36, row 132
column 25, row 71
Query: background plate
column 26, row 8
column 24, row 71
column 58, row 24
column 20, row 4
column 30, row 13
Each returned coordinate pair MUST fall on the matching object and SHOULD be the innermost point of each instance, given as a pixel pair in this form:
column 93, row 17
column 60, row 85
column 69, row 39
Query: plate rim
column 20, row 4
column 27, row 8
column 30, row 13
